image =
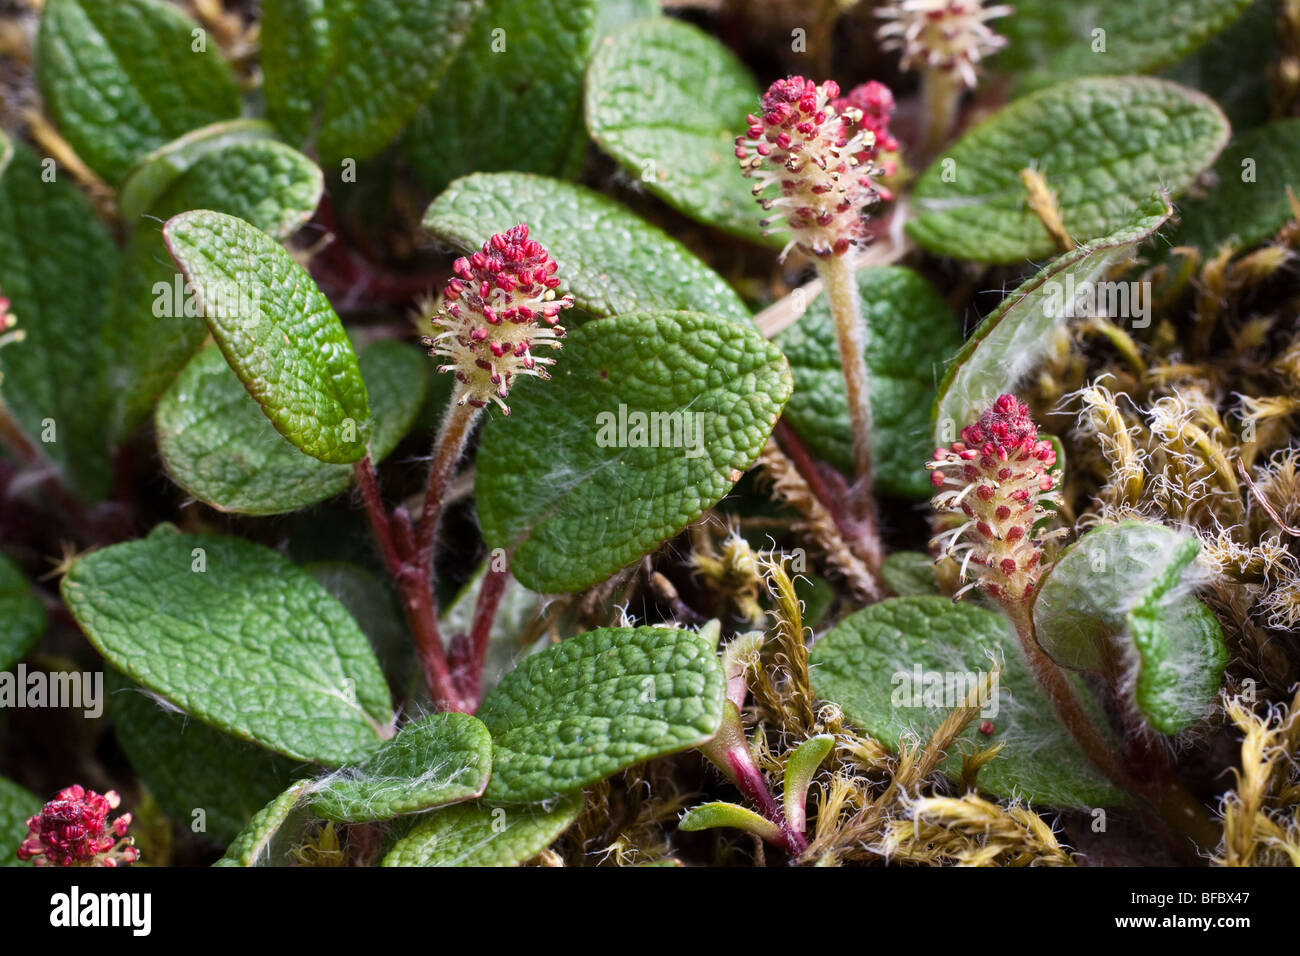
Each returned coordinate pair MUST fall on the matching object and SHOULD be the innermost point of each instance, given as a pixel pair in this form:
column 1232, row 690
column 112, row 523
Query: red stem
column 13, row 436
column 412, row 579
column 485, row 612
column 447, row 449
column 364, row 471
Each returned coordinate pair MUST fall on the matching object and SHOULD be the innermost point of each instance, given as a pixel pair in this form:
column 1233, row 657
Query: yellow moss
column 1261, row 826
column 971, row 831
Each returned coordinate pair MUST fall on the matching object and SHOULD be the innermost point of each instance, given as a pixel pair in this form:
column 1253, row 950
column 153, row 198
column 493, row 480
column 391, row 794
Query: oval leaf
column 1104, row 146
column 1127, row 583
column 277, row 331
column 898, row 667
column 667, row 101
column 219, row 447
column 597, row 704
column 373, row 605
column 390, row 59
column 1051, row 40
column 122, row 77
column 1010, row 343
column 150, row 179
column 476, row 834
column 233, row 634
column 609, row 260
column 576, row 490
column 912, row 335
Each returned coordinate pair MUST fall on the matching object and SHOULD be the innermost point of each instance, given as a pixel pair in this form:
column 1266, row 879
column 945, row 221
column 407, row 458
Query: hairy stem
column 851, row 336
column 941, row 91
column 447, row 449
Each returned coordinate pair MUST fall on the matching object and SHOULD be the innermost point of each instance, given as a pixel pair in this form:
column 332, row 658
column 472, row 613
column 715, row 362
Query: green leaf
column 1009, row 344
column 298, row 40
column 897, row 668
column 1233, row 67
column 439, row 760
column 16, row 806
column 390, row 59
column 909, row 573
column 1126, row 585
column 262, row 842
column 233, row 634
column 562, row 483
column 596, row 704
column 1052, row 41
column 56, row 260
column 912, row 335
column 1249, row 203
column 711, row 816
column 154, row 327
column 22, row 615
column 277, row 331
column 156, row 172
column 667, row 101
column 189, row 766
column 123, row 77
column 218, row 446
column 799, row 772
column 476, row 834
column 610, row 260
column 472, row 122
column 1104, row 146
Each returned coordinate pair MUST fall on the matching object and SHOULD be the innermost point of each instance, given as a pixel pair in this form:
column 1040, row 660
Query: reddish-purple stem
column 411, row 575
column 485, row 612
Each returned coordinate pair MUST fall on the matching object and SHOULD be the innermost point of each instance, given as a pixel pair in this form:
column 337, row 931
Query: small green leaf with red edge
column 710, row 816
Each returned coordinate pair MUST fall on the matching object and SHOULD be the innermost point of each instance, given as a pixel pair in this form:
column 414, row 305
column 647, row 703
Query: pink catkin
column 991, row 485
column 819, row 157
column 73, row 830
column 498, row 308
